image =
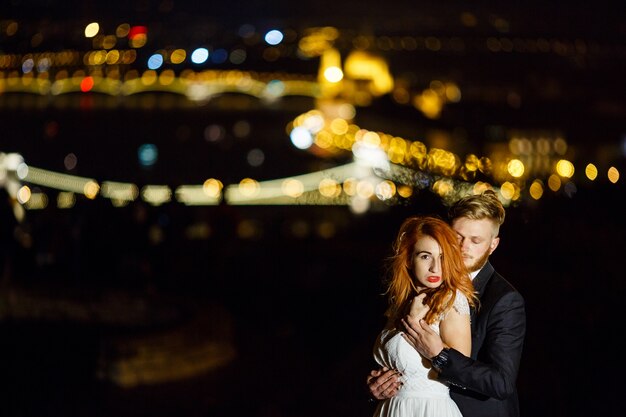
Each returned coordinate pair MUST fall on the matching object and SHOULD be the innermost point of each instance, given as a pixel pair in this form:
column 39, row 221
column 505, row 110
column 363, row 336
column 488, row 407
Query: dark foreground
column 283, row 326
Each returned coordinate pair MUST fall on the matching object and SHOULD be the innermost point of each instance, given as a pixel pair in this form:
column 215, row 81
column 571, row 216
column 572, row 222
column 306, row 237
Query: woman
column 427, row 278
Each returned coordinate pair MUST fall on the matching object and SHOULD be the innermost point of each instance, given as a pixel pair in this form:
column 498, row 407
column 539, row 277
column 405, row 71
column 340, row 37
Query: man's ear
column 494, row 244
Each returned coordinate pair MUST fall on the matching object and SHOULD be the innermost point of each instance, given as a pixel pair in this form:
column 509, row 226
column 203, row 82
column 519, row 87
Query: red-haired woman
column 427, row 277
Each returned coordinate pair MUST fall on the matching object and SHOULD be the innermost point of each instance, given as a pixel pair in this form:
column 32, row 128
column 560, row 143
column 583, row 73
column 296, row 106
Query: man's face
column 478, row 240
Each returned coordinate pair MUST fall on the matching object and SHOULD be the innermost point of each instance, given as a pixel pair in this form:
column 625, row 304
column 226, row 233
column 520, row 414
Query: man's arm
column 494, row 373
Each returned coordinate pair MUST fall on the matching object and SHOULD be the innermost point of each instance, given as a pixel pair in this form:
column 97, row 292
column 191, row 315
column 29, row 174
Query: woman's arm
column 456, row 331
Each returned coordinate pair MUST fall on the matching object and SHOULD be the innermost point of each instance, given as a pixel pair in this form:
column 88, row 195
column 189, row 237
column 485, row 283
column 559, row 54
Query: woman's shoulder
column 461, row 304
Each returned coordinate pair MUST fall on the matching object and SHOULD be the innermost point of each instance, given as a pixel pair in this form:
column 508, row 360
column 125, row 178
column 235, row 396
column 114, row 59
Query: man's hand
column 424, row 339
column 383, row 383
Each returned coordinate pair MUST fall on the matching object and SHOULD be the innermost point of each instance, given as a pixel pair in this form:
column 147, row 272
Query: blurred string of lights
column 386, row 168
column 523, row 167
column 124, row 60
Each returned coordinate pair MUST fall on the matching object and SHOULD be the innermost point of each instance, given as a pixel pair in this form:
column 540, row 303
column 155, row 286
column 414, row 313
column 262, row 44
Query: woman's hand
column 418, row 310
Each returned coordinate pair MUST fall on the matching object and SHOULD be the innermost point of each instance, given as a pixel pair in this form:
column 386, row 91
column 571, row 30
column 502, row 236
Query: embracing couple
column 455, row 331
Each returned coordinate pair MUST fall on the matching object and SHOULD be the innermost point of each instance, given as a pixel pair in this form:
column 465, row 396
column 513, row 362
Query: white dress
column 422, row 395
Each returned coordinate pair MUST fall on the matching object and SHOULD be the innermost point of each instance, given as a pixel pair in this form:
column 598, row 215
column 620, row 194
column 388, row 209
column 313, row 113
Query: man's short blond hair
column 479, row 206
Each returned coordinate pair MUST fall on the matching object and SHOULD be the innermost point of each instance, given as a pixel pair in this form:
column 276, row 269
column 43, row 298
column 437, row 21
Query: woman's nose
column 435, row 266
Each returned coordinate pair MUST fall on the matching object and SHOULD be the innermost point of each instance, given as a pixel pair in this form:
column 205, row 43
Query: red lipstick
column 433, row 278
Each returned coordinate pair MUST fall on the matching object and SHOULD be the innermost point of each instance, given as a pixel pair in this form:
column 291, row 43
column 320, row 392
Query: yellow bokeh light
column 418, row 151
column 371, row 71
column 364, row 189
column 149, row 77
column 329, row 188
column 167, row 77
column 66, row 200
column 443, row 160
column 292, row 187
column 453, row 93
column 405, row 191
column 324, row 140
column 178, row 56
column 613, row 175
column 156, row 194
column 429, row 103
column 37, row 201
column 515, row 167
column 536, row 189
column 112, row 57
column 397, row 152
column 591, row 171
column 349, row 186
column 565, row 168
column 314, row 121
column 339, row 126
column 333, row 74
column 212, row 187
column 249, row 187
column 480, row 186
column 91, row 189
column 23, row 194
column 507, row 190
column 554, row 182
column 442, row 187
column 371, row 138
column 109, row 41
column 471, row 162
column 346, row 111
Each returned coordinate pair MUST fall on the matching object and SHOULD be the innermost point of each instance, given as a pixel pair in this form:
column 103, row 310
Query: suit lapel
column 480, row 283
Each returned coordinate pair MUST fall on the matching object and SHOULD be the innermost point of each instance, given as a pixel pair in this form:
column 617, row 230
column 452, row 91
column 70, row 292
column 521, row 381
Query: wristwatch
column 440, row 361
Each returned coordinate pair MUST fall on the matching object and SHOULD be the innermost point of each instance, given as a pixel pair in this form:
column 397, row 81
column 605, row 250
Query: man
column 484, row 384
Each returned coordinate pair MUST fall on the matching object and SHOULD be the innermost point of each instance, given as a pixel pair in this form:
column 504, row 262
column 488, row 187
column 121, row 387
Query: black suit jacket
column 485, row 384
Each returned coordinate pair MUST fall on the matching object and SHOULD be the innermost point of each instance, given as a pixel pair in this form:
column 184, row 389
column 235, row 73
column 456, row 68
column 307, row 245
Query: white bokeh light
column 301, row 138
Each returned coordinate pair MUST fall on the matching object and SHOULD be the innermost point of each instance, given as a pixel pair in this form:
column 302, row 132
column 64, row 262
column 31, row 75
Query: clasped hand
column 384, row 383
column 418, row 333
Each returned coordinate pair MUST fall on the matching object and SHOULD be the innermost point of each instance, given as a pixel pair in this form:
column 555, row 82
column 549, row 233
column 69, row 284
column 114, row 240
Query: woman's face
column 427, row 258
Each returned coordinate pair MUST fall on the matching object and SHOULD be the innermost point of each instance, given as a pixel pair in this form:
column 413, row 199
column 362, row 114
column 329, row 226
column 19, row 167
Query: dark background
column 291, row 318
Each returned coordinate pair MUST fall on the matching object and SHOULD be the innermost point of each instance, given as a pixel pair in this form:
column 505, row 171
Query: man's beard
column 479, row 263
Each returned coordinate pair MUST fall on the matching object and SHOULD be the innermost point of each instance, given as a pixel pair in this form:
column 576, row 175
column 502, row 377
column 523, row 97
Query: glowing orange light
column 86, row 84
